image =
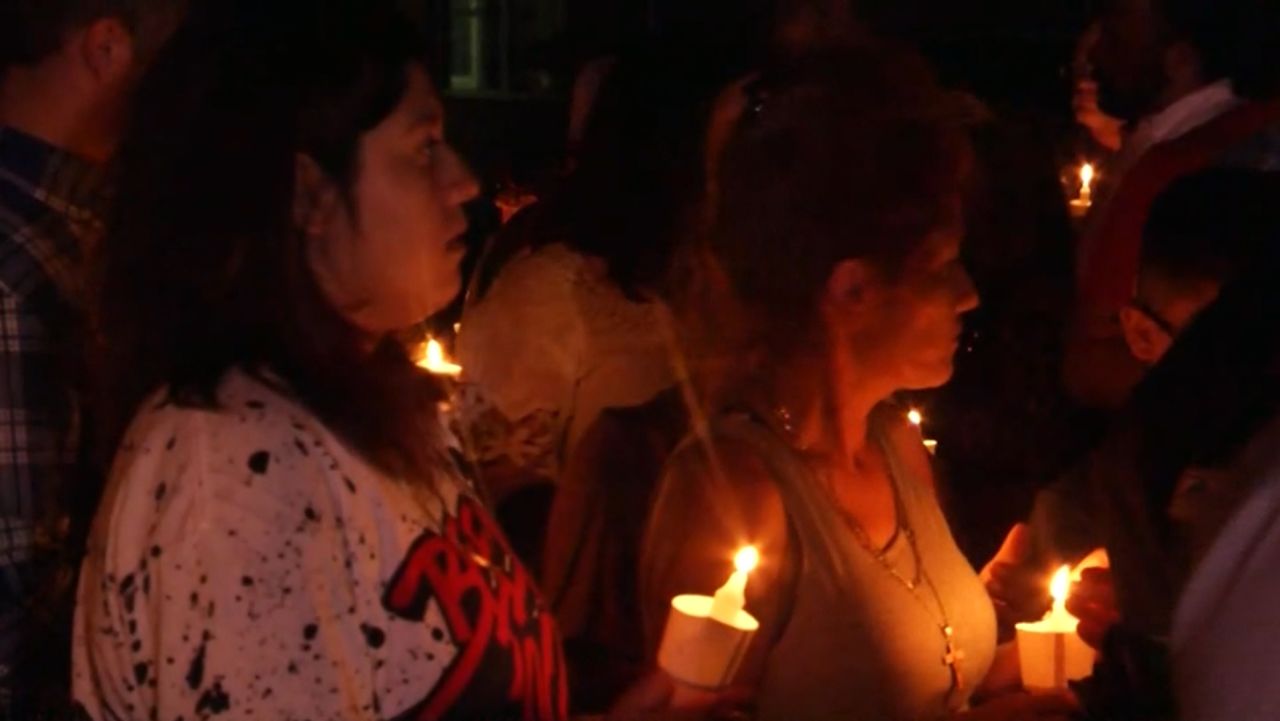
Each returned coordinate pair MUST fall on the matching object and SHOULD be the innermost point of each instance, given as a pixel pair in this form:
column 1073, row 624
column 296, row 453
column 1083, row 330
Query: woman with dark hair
column 287, row 531
column 837, row 234
column 570, row 323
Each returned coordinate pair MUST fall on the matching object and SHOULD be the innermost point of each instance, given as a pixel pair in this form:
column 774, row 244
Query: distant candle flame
column 1086, row 178
column 433, row 360
column 747, row 559
column 1081, row 204
column 914, row 417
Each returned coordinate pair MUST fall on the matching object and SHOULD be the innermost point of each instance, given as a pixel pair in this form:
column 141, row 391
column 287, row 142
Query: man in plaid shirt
column 66, row 70
column 47, row 214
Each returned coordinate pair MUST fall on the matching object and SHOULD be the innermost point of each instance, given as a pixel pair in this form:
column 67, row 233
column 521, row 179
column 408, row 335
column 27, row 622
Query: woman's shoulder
column 183, row 468
column 549, row 267
column 533, row 297
column 243, row 405
column 555, row 274
column 261, row 453
column 252, row 428
column 724, row 467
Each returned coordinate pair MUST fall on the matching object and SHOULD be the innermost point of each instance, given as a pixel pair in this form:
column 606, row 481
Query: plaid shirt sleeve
column 50, row 204
column 35, row 414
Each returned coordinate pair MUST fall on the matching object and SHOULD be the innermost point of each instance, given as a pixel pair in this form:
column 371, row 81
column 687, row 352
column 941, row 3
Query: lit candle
column 1084, row 200
column 915, row 418
column 1050, row 652
column 707, row 636
column 731, row 597
column 434, row 362
column 1086, row 183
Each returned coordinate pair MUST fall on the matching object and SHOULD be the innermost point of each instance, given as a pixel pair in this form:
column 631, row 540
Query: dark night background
column 508, row 116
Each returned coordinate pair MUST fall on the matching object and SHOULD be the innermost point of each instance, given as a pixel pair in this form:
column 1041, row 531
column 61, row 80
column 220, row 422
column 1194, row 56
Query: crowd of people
column 229, row 488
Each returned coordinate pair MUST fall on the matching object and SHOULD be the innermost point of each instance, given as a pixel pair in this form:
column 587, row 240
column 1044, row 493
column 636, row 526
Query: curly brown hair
column 849, row 155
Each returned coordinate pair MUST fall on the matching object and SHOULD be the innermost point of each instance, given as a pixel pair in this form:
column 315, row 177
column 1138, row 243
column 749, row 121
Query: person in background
column 597, row 518
column 569, row 323
column 802, row 27
column 1224, row 634
column 1161, row 67
column 1211, row 403
column 511, row 198
column 1106, row 131
column 1201, row 234
column 67, row 73
column 1194, row 79
column 1205, row 234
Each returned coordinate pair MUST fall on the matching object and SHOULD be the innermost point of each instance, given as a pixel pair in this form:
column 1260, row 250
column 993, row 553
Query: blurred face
column 96, row 70
column 1128, row 60
column 903, row 331
column 389, row 258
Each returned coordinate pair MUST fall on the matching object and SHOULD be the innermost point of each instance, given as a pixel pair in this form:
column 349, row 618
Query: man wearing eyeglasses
column 1202, row 233
column 1198, row 235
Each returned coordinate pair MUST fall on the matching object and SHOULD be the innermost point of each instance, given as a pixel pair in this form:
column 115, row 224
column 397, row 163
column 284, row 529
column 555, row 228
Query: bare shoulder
column 725, row 491
column 725, row 469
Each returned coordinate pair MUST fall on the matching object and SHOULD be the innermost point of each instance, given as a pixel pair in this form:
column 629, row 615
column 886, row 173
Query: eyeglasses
column 1164, row 324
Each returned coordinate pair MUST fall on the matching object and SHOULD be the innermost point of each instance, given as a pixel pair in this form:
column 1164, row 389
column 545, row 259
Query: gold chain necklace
column 952, row 654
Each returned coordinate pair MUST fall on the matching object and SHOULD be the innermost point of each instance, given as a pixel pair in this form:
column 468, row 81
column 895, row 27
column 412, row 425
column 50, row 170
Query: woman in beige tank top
column 836, row 233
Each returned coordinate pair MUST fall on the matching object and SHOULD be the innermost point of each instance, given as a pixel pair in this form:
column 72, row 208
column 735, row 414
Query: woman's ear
column 849, row 292
column 315, row 198
column 852, row 283
column 1147, row 343
column 106, row 47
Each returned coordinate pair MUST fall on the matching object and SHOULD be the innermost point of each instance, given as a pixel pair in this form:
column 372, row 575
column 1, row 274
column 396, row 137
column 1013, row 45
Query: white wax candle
column 706, row 637
column 731, row 597
column 1050, row 652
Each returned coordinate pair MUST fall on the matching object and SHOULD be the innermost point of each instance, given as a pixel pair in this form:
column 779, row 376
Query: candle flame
column 433, row 360
column 914, row 417
column 1061, row 585
column 1087, row 172
column 747, row 559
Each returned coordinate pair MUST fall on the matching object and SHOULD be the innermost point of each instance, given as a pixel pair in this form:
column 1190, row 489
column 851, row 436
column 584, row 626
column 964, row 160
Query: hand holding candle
column 707, row 636
column 1050, row 652
column 434, row 362
column 1093, row 601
